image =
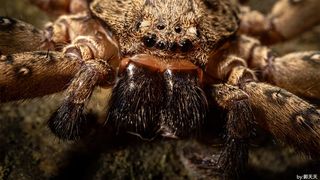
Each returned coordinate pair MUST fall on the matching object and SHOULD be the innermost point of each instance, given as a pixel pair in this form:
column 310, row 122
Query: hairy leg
column 26, row 75
column 233, row 159
column 283, row 22
column 58, row 7
column 296, row 72
column 69, row 122
column 232, row 99
column 289, row 118
column 33, row 74
column 17, row 36
column 86, row 37
column 88, row 40
column 228, row 162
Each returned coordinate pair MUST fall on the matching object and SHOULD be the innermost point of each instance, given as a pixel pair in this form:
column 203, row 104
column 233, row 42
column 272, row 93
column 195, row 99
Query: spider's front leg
column 231, row 162
column 33, row 74
column 91, row 45
column 296, row 72
column 288, row 117
column 91, row 48
column 284, row 21
column 61, row 6
column 68, row 122
column 79, row 30
column 17, row 36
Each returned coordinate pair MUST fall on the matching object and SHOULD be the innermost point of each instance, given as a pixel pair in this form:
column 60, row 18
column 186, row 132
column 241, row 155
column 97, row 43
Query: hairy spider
column 170, row 64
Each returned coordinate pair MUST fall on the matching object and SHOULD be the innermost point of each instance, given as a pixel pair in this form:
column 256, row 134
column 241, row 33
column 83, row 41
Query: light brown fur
column 213, row 26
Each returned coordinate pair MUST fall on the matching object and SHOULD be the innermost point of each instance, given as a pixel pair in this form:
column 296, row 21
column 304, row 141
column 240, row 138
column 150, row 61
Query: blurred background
column 29, row 151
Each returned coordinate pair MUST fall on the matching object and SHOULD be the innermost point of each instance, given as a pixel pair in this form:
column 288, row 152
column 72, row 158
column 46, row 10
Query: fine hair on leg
column 69, row 121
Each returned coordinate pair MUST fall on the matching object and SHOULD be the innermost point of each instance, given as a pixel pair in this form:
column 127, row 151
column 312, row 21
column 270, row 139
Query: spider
column 170, row 63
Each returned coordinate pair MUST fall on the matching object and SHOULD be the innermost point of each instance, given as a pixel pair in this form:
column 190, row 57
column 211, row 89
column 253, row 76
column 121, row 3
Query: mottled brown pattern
column 195, row 19
column 286, row 116
column 283, row 22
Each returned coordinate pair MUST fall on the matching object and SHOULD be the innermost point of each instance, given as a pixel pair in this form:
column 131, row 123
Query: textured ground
column 29, row 151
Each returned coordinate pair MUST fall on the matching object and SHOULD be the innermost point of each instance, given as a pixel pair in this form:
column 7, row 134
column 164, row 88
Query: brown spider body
column 170, row 31
column 176, row 29
column 170, row 62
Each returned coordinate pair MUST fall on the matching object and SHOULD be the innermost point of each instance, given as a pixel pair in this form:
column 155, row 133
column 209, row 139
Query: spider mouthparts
column 154, row 64
column 155, row 97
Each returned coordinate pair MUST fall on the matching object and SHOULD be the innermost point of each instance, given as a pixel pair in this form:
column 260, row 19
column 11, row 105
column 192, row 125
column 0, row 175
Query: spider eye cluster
column 151, row 40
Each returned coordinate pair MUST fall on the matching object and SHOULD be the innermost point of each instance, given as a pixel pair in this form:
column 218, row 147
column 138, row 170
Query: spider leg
column 231, row 163
column 86, row 36
column 284, row 21
column 17, row 36
column 81, row 31
column 286, row 116
column 232, row 160
column 33, row 74
column 58, row 7
column 89, row 42
column 68, row 122
column 289, row 118
column 296, row 72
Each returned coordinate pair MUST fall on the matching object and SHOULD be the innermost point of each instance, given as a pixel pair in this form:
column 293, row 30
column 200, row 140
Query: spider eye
column 150, row 40
column 161, row 26
column 177, row 29
column 161, row 45
column 186, row 45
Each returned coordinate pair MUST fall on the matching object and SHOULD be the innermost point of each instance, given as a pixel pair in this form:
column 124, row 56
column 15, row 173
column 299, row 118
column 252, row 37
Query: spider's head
column 176, row 37
column 168, row 28
column 180, row 29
